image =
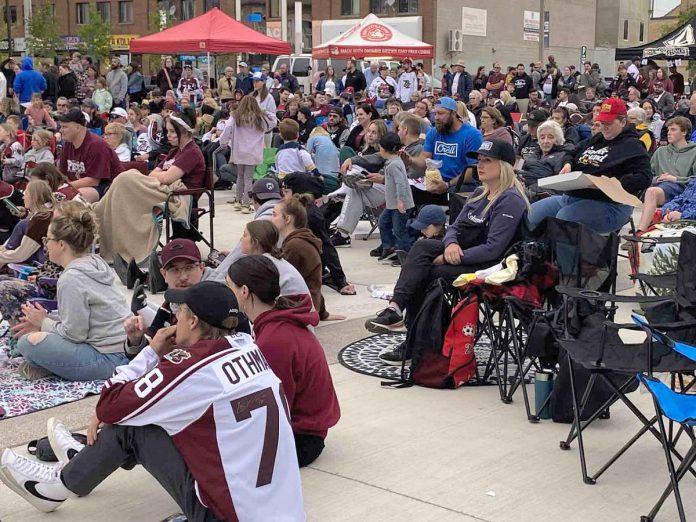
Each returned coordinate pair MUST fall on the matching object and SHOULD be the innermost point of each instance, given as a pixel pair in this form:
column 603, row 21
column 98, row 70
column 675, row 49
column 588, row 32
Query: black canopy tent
column 677, row 45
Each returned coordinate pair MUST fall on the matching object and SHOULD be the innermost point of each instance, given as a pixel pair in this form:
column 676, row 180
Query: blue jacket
column 465, row 86
column 684, row 202
column 28, row 81
column 321, row 84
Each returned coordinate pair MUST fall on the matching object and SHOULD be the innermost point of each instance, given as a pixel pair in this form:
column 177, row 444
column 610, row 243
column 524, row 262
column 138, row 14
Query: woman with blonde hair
column 244, row 135
column 118, row 138
column 484, row 229
column 325, row 156
column 85, row 341
column 465, row 114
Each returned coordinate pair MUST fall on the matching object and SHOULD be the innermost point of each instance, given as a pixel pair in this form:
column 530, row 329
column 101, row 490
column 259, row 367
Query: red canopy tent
column 211, row 32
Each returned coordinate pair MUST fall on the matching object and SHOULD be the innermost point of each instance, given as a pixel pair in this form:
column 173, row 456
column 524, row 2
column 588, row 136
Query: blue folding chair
column 677, row 407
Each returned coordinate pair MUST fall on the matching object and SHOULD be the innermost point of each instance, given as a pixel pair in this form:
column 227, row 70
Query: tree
column 95, row 35
column 43, row 39
column 160, row 19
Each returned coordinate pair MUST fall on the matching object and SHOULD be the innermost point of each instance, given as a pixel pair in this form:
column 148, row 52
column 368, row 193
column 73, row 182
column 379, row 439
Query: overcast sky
column 663, row 6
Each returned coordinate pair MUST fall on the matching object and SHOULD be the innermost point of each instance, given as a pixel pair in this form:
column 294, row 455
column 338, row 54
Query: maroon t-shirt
column 93, row 159
column 190, row 160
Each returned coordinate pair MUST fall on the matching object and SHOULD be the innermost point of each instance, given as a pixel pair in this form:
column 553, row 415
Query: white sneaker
column 62, row 442
column 39, row 484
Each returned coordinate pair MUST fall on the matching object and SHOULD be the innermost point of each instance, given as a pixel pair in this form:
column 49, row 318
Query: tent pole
column 209, row 77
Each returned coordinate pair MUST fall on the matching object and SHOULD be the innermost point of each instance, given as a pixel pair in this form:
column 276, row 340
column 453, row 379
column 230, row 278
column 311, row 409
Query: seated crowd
column 85, row 190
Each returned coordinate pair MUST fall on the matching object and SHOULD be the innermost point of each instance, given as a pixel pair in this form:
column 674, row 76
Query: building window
column 187, row 11
column 625, row 31
column 104, row 9
column 82, row 13
column 209, row 4
column 274, row 11
column 125, row 12
column 12, row 14
column 393, row 6
column 642, row 31
column 350, row 7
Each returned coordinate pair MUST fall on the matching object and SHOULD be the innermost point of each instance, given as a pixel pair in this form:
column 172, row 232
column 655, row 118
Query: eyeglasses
column 47, row 239
column 186, row 269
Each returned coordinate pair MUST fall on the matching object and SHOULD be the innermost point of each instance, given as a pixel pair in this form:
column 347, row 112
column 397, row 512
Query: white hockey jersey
column 226, row 413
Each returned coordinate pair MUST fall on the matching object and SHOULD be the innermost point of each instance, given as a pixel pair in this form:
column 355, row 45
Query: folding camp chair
column 582, row 259
column 197, row 211
column 677, row 407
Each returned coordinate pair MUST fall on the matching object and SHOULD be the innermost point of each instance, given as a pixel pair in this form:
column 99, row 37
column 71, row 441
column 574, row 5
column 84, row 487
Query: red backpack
column 455, row 363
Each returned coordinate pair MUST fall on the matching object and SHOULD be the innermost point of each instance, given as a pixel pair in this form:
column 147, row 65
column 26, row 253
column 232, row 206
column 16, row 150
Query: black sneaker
column 338, row 240
column 387, row 320
column 222, row 185
column 376, row 252
column 389, row 253
column 396, row 356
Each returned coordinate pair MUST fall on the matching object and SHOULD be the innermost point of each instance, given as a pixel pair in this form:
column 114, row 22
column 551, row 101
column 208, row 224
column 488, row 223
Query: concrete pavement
column 414, row 454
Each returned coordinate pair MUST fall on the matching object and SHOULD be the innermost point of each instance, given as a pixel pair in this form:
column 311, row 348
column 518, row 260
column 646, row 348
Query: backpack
column 441, row 340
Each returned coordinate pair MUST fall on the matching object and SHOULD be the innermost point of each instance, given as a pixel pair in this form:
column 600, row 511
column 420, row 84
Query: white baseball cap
column 119, row 111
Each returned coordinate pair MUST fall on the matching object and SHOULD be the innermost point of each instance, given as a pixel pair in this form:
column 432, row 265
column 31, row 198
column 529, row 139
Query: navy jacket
column 465, row 86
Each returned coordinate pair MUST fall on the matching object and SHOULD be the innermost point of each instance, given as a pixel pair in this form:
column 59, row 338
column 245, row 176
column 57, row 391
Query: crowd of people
column 91, row 164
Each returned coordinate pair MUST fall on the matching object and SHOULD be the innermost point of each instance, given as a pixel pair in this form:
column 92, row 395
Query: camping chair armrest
column 187, row 192
column 653, row 240
column 605, row 296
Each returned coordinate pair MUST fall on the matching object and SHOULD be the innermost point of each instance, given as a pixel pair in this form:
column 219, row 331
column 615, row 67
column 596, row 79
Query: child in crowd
column 59, row 183
column 430, row 222
column 22, row 137
column 102, row 97
column 399, row 200
column 38, row 113
column 40, row 150
column 291, row 156
column 12, row 154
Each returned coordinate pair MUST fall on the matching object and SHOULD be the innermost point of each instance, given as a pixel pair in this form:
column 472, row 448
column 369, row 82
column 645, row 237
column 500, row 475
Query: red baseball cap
column 611, row 109
column 178, row 249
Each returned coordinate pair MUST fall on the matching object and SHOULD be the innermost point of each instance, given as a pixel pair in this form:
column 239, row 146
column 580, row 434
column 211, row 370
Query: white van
column 300, row 64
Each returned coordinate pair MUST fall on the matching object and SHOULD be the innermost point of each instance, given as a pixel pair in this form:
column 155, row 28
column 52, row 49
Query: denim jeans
column 601, row 217
column 71, row 361
column 392, row 229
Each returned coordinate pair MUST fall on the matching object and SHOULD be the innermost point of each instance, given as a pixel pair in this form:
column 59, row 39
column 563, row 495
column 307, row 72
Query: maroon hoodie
column 297, row 358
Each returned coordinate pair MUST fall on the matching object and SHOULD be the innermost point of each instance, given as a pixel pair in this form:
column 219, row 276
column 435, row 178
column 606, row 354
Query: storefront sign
column 71, row 42
column 18, row 45
column 474, row 21
column 120, row 42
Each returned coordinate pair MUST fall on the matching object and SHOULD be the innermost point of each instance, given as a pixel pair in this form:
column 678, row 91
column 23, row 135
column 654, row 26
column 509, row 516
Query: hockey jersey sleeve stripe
column 173, row 384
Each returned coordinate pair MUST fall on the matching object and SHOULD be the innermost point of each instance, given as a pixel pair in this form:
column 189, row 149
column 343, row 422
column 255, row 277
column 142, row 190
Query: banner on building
column 530, row 27
column 474, row 21
column 121, row 42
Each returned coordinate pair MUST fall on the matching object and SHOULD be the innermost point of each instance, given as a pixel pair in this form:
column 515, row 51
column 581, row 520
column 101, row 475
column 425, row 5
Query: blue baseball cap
column 258, row 77
column 429, row 215
column 447, row 103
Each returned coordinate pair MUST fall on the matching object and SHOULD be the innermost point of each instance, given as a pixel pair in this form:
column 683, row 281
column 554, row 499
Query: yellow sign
column 120, row 42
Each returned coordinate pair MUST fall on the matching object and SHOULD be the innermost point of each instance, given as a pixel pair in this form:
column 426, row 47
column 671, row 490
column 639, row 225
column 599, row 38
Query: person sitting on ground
column 128, row 224
column 201, row 367
column 302, row 248
column 638, row 119
column 291, row 155
column 552, row 155
column 326, row 158
column 12, row 154
column 430, row 222
column 291, row 349
column 60, row 185
column 673, row 168
column 306, row 124
column 309, row 186
column 398, row 200
column 22, row 136
column 493, row 125
column 119, row 139
column 86, row 159
column 483, row 231
column 95, row 122
column 260, row 238
column 265, row 195
column 615, row 152
column 85, row 342
column 40, row 151
column 337, row 128
column 25, row 244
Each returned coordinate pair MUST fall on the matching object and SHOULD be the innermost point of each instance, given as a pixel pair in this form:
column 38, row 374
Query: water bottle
column 543, row 384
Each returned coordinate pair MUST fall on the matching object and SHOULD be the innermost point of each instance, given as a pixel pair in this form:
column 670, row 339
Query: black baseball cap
column 536, row 117
column 265, row 188
column 74, row 115
column 210, row 301
column 496, row 149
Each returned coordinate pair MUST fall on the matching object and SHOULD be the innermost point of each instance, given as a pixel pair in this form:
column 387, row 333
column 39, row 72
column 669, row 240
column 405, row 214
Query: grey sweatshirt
column 264, row 212
column 291, row 281
column 91, row 309
column 396, row 184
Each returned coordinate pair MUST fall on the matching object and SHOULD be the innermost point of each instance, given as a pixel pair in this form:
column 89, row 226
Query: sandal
column 347, row 290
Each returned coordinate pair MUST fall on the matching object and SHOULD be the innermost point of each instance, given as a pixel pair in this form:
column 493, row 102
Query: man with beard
column 336, row 127
column 117, row 82
column 449, row 141
column 354, row 77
